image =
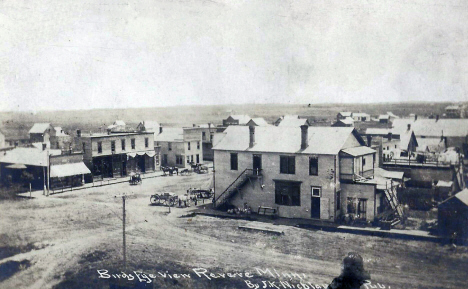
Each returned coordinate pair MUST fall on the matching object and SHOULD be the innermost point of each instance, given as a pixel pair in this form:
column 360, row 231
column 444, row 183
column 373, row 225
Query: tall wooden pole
column 123, row 232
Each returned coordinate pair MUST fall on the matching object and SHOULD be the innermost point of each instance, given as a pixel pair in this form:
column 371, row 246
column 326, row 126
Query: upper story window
column 113, row 146
column 169, row 146
column 234, row 162
column 188, row 145
column 203, row 135
column 287, row 165
column 123, row 144
column 146, row 142
column 198, row 145
column 84, row 147
column 133, row 143
column 99, row 147
column 313, row 166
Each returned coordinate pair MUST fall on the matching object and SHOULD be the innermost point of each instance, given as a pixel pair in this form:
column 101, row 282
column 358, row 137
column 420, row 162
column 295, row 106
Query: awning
column 65, row 170
column 132, row 155
column 151, row 153
column 16, row 166
column 141, row 153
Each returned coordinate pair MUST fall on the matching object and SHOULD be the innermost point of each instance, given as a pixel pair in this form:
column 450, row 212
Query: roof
column 151, row 125
column 453, row 107
column 322, row 140
column 360, row 114
column 461, row 196
column 388, row 174
column 59, row 131
column 170, row 134
column 293, row 122
column 431, row 144
column 26, row 156
column 405, row 139
column 119, row 123
column 66, row 170
column 259, row 121
column 379, row 131
column 447, row 184
column 39, row 127
column 15, row 133
column 457, row 127
column 359, row 151
column 389, row 113
column 242, row 118
column 345, row 113
column 347, row 120
column 384, row 116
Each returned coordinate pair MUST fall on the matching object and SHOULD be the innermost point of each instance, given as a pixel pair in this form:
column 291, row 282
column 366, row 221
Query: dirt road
column 82, row 230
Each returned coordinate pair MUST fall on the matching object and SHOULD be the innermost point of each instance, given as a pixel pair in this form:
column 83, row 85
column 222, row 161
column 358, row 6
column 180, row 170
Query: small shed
column 453, row 216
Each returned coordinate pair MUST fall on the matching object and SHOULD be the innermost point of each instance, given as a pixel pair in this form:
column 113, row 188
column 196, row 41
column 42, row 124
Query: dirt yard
column 61, row 241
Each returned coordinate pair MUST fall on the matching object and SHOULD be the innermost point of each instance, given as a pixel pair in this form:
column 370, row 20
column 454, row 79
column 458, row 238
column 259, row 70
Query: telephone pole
column 123, row 232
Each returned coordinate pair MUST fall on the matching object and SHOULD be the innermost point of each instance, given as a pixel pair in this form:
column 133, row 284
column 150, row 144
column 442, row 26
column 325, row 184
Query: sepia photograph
column 233, row 144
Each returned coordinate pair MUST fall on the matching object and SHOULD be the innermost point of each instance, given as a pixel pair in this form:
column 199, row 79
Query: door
column 257, row 164
column 315, row 203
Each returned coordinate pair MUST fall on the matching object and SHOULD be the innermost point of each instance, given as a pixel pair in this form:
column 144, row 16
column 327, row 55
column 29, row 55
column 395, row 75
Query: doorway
column 315, row 202
column 257, row 164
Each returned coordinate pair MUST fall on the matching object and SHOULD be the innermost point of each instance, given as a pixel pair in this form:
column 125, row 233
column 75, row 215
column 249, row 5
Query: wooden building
column 453, row 216
column 179, row 146
column 236, row 119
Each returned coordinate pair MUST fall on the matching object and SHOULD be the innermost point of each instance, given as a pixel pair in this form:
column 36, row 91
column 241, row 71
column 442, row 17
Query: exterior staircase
column 244, row 177
column 392, row 199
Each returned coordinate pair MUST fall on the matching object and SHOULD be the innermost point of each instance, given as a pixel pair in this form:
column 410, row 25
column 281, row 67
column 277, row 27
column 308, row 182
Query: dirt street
column 55, row 238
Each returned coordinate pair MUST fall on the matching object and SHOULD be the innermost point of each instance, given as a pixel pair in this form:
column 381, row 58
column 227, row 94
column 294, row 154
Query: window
column 191, row 158
column 169, row 146
column 198, row 145
column 188, row 145
column 203, row 135
column 113, row 146
column 395, row 146
column 179, row 160
column 287, row 193
column 313, row 166
column 363, row 161
column 146, row 142
column 122, row 142
column 84, row 147
column 211, row 137
column 156, row 159
column 133, row 143
column 198, row 159
column 388, row 148
column 287, row 165
column 316, row 191
column 338, row 200
column 234, row 163
column 188, row 159
column 99, row 147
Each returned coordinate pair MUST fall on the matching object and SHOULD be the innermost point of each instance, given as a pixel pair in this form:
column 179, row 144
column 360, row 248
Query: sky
column 83, row 54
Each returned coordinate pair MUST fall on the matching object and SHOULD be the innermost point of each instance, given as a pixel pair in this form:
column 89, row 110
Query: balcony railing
column 369, row 174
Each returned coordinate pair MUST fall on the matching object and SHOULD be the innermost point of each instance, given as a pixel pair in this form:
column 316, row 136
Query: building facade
column 179, row 147
column 320, row 173
column 117, row 154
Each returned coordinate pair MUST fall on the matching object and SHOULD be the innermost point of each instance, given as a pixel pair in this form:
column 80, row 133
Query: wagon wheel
column 171, row 201
column 155, row 199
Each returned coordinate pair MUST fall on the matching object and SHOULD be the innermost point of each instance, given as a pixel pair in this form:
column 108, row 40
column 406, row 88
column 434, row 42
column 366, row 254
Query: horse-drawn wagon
column 199, row 168
column 135, row 179
column 167, row 199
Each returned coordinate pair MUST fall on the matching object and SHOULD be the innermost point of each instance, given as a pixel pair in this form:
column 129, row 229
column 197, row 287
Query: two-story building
column 322, row 173
column 207, row 132
column 43, row 133
column 117, row 154
column 179, row 146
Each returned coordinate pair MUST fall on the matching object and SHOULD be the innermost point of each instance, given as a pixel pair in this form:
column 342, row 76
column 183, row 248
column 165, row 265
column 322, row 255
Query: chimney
column 78, row 132
column 304, row 136
column 389, row 136
column 109, row 131
column 160, row 129
column 415, row 117
column 409, row 126
column 251, row 136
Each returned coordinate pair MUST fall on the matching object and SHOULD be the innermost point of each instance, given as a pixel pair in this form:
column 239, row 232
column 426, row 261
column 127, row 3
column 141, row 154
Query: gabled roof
column 59, row 131
column 242, row 118
column 384, row 116
column 379, row 172
column 453, row 127
column 170, row 134
column 40, row 127
column 258, row 121
column 360, row 114
column 322, row 140
column 293, row 122
column 405, row 139
column 389, row 113
column 345, row 113
column 150, row 125
column 461, row 196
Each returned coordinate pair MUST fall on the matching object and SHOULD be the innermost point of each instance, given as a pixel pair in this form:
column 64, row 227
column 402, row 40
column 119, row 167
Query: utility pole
column 123, row 232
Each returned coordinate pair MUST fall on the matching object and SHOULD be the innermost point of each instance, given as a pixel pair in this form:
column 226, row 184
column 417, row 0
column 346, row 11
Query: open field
column 62, row 241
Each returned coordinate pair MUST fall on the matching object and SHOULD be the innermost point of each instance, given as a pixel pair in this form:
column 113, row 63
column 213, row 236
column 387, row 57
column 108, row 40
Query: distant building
column 454, row 111
column 179, row 146
column 63, row 140
column 236, row 120
column 360, row 116
column 118, row 126
column 387, row 118
column 344, row 122
column 207, row 131
column 117, row 154
column 2, row 140
column 15, row 136
column 343, row 115
column 43, row 133
column 291, row 121
column 323, row 173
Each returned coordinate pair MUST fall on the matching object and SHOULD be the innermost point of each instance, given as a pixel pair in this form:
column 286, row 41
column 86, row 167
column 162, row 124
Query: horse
column 187, row 199
column 170, row 170
column 185, row 171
